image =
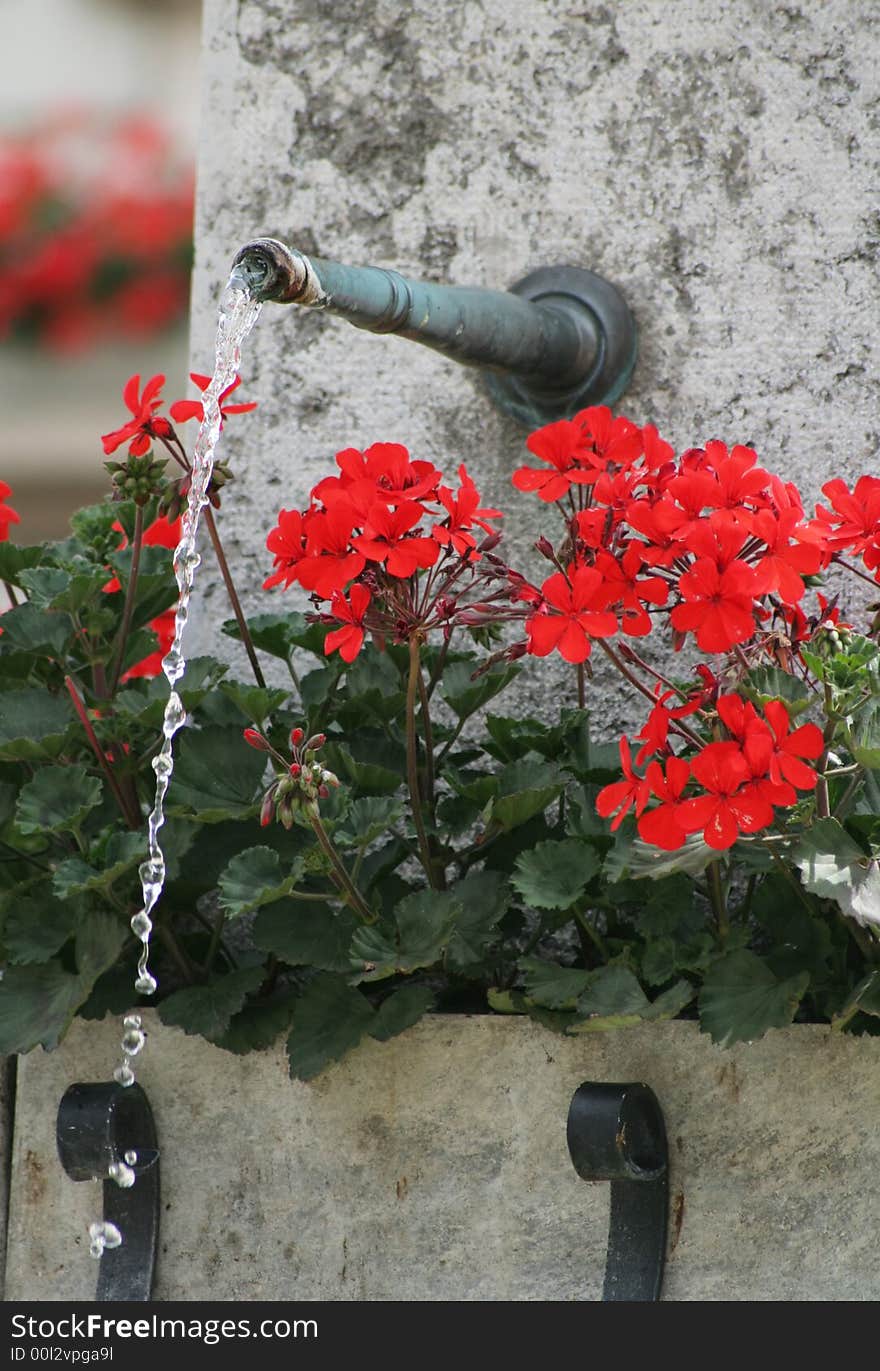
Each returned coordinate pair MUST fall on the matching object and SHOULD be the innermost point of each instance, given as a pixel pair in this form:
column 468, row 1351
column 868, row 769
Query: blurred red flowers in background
column 95, row 231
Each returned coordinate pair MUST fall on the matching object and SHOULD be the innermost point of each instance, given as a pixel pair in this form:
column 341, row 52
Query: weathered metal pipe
column 557, row 341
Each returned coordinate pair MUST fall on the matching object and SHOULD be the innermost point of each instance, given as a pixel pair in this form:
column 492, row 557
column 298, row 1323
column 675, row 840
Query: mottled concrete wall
column 717, row 160
column 435, row 1166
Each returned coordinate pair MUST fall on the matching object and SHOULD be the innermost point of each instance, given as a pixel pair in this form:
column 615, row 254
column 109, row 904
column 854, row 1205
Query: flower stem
column 412, row 768
column 128, row 607
column 352, row 895
column 719, row 904
column 222, row 563
column 126, row 809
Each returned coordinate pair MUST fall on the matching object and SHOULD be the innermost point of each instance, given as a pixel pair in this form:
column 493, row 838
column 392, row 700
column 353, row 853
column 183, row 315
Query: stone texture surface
column 435, row 1167
column 718, row 161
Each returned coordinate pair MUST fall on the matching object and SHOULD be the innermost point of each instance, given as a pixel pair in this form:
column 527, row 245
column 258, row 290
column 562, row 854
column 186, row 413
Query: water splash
column 103, row 1235
column 238, row 314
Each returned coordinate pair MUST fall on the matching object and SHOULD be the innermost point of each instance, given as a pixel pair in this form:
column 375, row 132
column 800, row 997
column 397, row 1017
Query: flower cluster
column 373, row 529
column 720, row 551
column 95, row 232
column 300, row 783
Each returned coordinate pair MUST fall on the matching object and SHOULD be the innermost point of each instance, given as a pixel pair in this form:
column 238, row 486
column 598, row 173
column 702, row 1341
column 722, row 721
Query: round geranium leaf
column 56, row 800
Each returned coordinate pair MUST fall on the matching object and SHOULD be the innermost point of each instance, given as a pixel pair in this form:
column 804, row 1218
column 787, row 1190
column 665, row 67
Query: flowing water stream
column 239, row 310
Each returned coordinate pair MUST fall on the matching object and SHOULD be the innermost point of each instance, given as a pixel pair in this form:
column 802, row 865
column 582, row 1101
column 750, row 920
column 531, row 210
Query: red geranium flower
column 350, row 613
column 143, row 425
column 578, row 615
column 622, row 796
column 7, row 514
column 287, row 541
column 388, row 540
column 389, row 470
column 661, row 826
column 785, row 760
column 182, row 410
column 560, row 445
column 853, row 522
column 464, row 511
column 331, row 561
column 717, row 591
column 730, row 807
column 623, row 587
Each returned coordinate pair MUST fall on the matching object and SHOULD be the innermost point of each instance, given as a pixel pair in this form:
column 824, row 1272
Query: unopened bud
column 255, row 739
column 296, row 736
column 545, row 547
column 267, row 812
column 294, row 768
column 315, row 742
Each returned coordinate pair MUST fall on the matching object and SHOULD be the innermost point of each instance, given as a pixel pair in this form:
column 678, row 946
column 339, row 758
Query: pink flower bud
column 296, row 737
column 295, row 768
column 255, row 739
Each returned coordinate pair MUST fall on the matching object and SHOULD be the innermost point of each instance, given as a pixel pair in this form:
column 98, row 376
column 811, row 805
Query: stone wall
column 435, row 1166
column 717, row 160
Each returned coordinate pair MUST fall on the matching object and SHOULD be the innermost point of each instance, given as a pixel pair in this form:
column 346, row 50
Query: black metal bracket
column 106, row 1129
column 616, row 1133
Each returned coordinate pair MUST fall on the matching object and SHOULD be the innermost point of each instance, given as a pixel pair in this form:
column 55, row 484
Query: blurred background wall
column 98, row 121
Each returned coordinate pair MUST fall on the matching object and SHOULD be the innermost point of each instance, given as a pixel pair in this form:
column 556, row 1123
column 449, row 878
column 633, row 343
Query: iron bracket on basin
column 616, row 1133
column 97, row 1125
column 559, row 340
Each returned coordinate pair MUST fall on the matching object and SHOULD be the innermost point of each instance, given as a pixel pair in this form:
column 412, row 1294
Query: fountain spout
column 560, row 339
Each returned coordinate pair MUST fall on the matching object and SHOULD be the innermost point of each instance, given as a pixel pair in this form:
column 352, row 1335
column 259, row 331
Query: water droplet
column 132, row 1021
column 121, row 1174
column 142, row 926
column 124, row 1075
column 163, row 765
column 103, row 1235
column 131, row 1157
column 132, row 1041
column 146, row 984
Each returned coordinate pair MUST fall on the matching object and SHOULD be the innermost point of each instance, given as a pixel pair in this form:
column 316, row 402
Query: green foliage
column 359, row 911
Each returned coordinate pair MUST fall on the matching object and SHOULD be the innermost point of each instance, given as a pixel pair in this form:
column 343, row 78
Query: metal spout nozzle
column 557, row 341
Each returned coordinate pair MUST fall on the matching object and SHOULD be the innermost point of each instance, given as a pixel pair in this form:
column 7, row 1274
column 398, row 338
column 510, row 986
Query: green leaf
column 208, row 1009
column 257, row 1027
column 553, row 986
column 423, row 925
column 256, row 703
column 32, row 725
column 555, row 874
column 834, row 866
column 866, row 736
column 484, row 897
column 741, row 999
column 303, row 933
column 57, row 800
column 37, row 1004
column 400, row 1011
column 216, row 776
column 765, row 683
column 43, row 583
column 631, row 857
column 254, row 878
column 525, row 788
column 124, row 851
column 14, row 559
column 865, row 997
column 369, row 777
column 367, row 819
column 329, row 1019
column 464, row 695
column 279, row 634
column 43, row 632
column 36, row 927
